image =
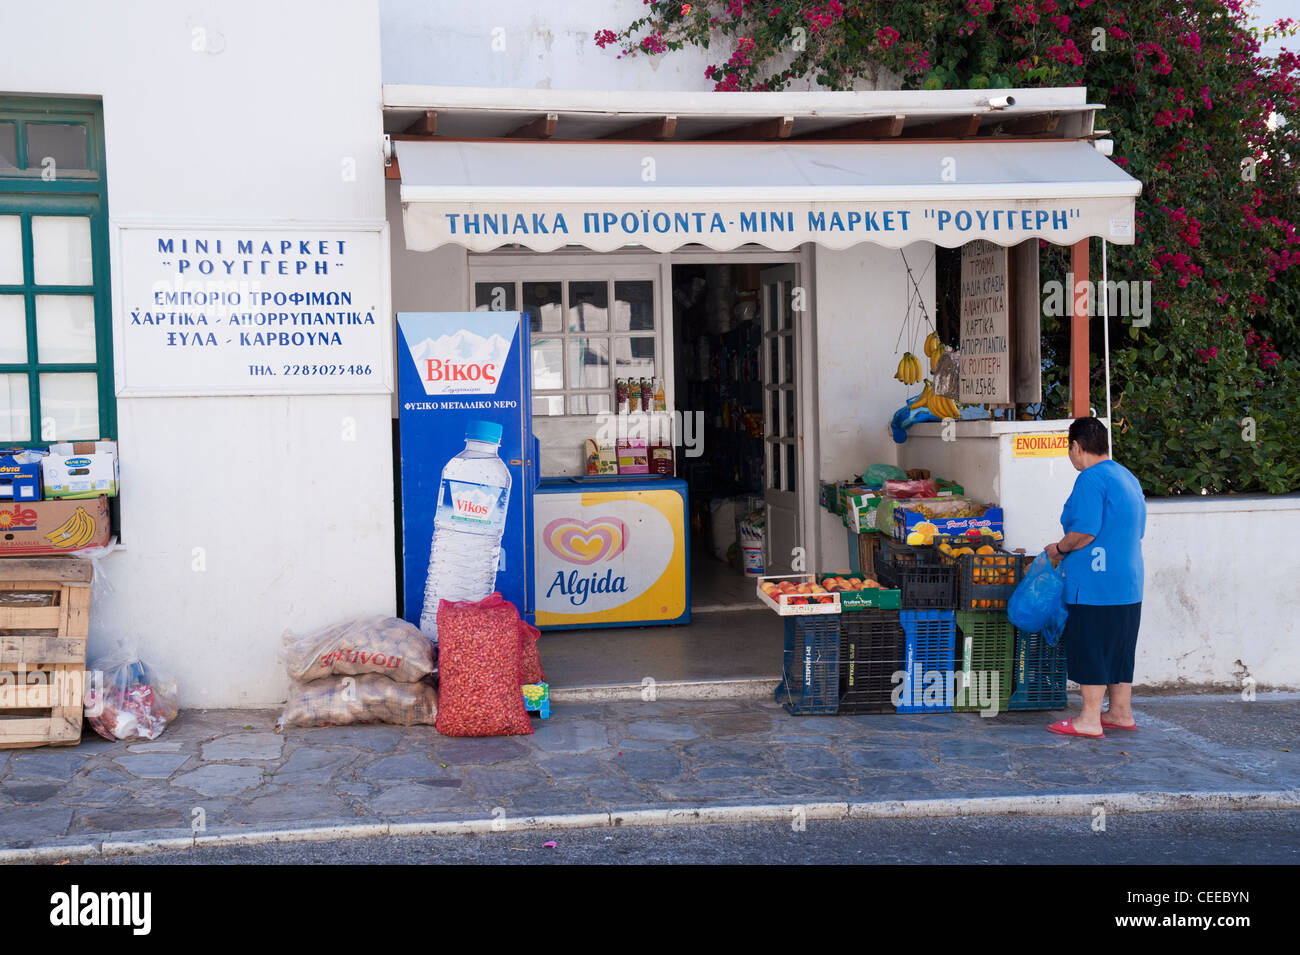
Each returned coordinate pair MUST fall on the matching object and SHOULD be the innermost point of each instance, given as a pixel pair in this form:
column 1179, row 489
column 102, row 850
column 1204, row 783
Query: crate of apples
column 797, row 594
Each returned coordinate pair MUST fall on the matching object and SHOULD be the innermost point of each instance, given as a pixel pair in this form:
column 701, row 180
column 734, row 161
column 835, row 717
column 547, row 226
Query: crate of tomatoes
column 797, row 594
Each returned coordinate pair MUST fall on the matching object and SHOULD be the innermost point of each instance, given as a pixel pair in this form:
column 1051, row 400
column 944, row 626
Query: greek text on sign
column 1053, row 444
column 985, row 349
column 234, row 311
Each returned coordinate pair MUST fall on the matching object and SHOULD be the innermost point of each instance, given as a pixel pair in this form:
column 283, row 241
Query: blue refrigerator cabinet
column 611, row 552
column 455, row 368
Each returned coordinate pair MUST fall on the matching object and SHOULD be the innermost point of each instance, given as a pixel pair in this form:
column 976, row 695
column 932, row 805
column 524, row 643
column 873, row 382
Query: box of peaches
column 861, row 591
column 791, row 594
column 825, row 593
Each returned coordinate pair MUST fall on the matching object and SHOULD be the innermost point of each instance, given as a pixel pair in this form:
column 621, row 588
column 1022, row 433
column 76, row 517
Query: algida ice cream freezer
column 611, row 552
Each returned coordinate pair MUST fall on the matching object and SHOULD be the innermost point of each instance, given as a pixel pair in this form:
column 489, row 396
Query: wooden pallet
column 44, row 622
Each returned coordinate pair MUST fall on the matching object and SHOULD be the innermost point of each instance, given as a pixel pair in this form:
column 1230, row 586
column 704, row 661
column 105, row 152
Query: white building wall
column 1220, row 602
column 524, row 44
column 551, row 45
column 248, row 111
column 860, row 299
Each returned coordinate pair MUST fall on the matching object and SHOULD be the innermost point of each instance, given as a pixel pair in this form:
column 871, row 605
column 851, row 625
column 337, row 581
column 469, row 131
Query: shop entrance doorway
column 736, row 358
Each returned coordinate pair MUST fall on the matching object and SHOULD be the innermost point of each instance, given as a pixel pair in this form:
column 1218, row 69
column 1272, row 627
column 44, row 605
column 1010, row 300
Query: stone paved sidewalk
column 622, row 757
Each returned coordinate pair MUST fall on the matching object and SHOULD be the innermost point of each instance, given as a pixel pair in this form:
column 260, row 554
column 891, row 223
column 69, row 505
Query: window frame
column 83, row 193
column 564, row 271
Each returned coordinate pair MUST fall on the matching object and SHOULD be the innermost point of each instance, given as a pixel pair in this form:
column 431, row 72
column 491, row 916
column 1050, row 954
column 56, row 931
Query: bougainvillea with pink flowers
column 1206, row 395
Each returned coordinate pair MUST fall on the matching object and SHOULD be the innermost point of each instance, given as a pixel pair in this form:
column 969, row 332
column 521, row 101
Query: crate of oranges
column 987, row 575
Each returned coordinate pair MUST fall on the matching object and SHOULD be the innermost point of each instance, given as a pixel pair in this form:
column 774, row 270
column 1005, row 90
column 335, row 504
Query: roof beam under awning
column 955, row 127
column 776, row 128
column 662, row 127
column 879, row 127
column 426, row 125
column 543, row 127
column 1024, row 125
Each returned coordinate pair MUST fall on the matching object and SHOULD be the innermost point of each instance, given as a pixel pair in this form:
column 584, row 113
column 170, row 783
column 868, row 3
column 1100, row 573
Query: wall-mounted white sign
column 256, row 310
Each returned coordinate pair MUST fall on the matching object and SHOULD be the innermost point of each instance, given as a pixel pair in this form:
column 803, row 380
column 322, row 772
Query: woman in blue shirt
column 1104, row 521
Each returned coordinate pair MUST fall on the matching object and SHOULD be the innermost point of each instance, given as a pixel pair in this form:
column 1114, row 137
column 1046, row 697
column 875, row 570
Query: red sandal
column 1066, row 728
column 1117, row 726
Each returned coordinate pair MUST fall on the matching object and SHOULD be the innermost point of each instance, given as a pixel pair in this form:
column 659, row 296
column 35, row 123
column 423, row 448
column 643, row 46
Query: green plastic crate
column 986, row 644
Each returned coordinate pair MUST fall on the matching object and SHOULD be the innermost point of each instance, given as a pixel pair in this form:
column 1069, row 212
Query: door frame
column 804, row 260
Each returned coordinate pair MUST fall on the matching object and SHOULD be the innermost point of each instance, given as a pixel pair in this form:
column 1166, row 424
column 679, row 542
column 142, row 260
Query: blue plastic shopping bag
column 1038, row 604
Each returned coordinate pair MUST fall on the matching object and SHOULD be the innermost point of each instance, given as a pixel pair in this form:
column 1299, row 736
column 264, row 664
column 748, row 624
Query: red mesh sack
column 480, row 669
column 532, row 658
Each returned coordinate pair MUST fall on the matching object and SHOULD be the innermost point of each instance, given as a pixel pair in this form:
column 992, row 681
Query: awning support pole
column 1079, row 301
column 1105, row 331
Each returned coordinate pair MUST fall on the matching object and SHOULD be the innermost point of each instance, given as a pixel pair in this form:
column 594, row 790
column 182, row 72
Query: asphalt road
column 1221, row 838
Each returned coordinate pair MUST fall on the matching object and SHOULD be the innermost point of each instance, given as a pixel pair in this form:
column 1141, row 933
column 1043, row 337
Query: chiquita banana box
column 51, row 528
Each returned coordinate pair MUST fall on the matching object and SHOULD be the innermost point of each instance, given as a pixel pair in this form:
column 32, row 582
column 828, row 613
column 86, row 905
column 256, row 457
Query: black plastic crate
column 871, row 653
column 810, row 680
column 984, row 581
column 897, row 554
column 1039, row 674
column 929, row 639
column 924, row 586
column 985, row 651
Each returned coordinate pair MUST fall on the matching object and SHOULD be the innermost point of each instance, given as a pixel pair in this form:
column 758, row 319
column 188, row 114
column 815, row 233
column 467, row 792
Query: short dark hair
column 1091, row 435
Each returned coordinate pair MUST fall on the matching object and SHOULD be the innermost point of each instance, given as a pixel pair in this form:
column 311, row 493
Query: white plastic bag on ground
column 378, row 644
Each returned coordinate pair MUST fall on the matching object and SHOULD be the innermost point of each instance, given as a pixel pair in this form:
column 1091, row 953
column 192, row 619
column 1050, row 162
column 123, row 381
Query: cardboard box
column 661, row 459
column 862, row 511
column 81, row 469
column 607, row 461
column 873, row 598
column 52, row 528
column 632, row 458
column 847, row 491
column 905, row 520
column 19, row 481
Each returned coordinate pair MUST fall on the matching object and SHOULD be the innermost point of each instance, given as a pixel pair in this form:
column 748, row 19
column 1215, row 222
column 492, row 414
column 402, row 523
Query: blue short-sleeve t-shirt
column 1107, row 503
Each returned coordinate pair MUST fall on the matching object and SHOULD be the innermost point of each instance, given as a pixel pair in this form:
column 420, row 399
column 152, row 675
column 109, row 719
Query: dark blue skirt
column 1100, row 643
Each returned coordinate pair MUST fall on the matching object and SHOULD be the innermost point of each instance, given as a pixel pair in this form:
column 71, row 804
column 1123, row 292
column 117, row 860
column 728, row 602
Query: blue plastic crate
column 1039, row 674
column 810, row 680
column 930, row 640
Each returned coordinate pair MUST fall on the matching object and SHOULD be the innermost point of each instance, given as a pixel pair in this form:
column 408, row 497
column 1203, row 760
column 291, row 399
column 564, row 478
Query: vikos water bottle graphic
column 472, row 500
column 457, row 372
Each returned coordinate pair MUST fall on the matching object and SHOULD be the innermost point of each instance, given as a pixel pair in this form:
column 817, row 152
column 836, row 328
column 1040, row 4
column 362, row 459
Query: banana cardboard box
column 51, row 528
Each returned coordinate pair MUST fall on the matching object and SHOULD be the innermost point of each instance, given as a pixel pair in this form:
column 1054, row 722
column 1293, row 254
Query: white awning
column 606, row 196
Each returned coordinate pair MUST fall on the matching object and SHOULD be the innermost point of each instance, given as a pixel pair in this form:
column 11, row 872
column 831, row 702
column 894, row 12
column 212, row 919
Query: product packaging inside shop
column 917, row 623
column 643, row 439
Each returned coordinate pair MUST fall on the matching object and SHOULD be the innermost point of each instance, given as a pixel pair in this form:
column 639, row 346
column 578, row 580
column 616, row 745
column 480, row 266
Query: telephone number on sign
column 327, row 370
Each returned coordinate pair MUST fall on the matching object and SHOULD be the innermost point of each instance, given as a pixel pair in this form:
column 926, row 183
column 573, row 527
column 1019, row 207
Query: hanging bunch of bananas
column 935, row 403
column 909, row 369
column 933, row 350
